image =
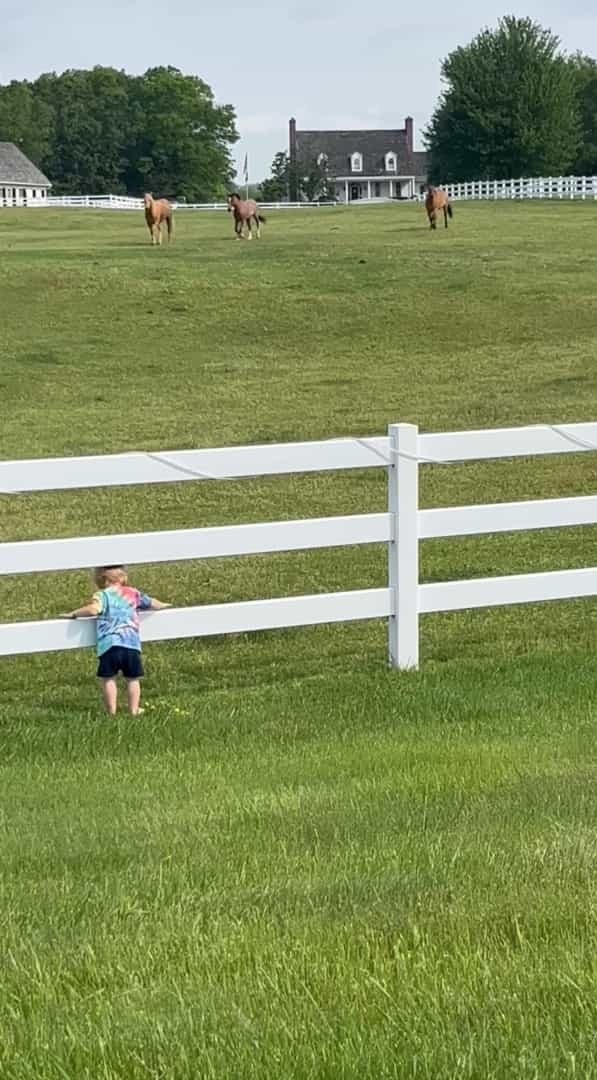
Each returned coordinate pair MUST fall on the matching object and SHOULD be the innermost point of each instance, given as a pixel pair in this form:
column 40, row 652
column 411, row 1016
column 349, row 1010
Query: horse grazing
column 437, row 199
column 158, row 212
column 245, row 213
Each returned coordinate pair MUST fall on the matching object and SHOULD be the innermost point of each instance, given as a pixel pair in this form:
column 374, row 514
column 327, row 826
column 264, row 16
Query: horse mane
column 234, row 195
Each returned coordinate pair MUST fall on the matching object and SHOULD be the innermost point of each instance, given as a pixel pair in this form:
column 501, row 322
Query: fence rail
column 540, row 187
column 401, row 528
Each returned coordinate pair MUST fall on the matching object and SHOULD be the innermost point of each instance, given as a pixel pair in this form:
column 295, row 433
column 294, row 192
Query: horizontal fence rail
column 401, row 528
column 170, row 466
column 36, row 556
column 205, row 621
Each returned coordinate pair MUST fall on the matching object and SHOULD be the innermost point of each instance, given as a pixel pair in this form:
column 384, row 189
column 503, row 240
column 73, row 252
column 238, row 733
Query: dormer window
column 322, row 161
column 356, row 162
column 391, row 162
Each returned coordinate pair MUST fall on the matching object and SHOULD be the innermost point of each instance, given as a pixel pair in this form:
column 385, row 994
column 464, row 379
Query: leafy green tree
column 91, row 129
column 275, row 188
column 26, row 120
column 305, row 179
column 314, row 181
column 102, row 130
column 584, row 69
column 509, row 107
column 181, row 140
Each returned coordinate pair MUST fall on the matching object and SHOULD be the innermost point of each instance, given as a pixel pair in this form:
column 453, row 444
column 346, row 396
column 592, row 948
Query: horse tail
column 450, row 211
column 261, row 218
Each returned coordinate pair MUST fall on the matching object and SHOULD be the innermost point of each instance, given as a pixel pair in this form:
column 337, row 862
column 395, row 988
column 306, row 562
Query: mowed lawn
column 298, row 864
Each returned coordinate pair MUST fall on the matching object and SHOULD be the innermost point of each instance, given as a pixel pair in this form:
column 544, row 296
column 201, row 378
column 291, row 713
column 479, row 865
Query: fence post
column 403, row 548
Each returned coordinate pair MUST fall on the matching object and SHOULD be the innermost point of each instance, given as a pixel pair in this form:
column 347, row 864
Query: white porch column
column 346, row 191
column 368, row 189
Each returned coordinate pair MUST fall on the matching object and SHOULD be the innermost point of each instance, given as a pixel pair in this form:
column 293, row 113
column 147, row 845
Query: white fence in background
column 401, row 527
column 128, row 202
column 540, row 187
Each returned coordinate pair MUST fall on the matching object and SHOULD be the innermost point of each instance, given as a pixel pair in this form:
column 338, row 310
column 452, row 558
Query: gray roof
column 372, row 144
column 15, row 168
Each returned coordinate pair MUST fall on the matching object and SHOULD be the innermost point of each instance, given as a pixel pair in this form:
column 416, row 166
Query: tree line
column 102, row 131
column 513, row 105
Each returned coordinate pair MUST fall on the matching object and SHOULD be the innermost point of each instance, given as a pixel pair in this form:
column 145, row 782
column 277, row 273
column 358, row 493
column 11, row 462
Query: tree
column 26, row 120
column 181, row 139
column 314, row 181
column 103, row 130
column 91, row 129
column 509, row 108
column 305, row 179
column 584, row 69
column 276, row 187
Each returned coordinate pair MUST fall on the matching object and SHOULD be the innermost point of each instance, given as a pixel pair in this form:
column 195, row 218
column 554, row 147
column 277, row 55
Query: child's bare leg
column 110, row 695
column 133, row 695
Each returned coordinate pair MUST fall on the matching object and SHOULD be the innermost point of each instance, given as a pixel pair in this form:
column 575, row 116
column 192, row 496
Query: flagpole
column 246, row 176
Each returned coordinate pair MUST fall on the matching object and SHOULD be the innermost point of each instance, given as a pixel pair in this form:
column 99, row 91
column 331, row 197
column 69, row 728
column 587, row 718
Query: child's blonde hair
column 110, row 575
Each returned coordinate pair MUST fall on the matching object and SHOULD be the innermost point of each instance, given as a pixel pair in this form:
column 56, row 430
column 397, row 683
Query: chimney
column 293, row 186
column 409, row 128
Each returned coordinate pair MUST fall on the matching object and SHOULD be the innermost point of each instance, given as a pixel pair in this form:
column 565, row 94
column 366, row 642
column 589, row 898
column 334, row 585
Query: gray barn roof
column 372, row 144
column 16, row 169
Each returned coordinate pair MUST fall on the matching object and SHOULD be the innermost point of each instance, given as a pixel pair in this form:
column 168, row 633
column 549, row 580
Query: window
column 391, row 162
column 322, row 161
column 356, row 162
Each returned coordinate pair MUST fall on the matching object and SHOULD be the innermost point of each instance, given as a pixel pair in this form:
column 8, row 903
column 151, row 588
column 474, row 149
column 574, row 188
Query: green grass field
column 298, row 864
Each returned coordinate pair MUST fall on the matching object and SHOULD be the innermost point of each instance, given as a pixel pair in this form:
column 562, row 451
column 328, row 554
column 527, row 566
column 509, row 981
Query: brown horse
column 245, row 213
column 158, row 212
column 437, row 199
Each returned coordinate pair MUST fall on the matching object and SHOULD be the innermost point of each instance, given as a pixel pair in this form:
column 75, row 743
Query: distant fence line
column 401, row 528
column 541, row 187
column 129, row 202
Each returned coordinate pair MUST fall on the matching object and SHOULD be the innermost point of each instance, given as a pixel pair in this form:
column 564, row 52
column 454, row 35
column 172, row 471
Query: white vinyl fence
column 128, row 202
column 541, row 187
column 401, row 527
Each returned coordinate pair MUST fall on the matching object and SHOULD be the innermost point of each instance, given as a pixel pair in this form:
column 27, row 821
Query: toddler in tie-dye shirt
column 116, row 605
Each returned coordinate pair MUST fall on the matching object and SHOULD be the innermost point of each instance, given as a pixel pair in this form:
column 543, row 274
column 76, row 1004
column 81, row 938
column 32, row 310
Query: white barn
column 21, row 182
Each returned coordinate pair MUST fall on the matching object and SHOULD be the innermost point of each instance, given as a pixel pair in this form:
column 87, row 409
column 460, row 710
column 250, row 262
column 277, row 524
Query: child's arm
column 88, row 611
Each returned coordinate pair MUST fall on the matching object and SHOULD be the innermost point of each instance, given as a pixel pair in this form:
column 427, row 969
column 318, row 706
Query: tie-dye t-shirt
column 117, row 620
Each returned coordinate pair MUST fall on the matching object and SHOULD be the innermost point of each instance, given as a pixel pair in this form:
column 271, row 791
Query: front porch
column 351, row 188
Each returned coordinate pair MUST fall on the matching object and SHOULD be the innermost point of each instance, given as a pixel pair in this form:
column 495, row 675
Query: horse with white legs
column 246, row 212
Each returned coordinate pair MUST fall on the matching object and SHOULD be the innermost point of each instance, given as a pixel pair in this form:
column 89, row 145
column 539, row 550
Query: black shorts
column 116, row 659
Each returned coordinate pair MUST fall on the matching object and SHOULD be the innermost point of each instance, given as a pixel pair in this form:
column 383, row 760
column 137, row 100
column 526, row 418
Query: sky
column 329, row 64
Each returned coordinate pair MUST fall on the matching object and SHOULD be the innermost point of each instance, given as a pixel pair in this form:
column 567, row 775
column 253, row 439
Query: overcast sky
column 330, row 64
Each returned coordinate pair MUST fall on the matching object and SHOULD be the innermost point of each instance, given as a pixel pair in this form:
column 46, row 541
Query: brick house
column 368, row 164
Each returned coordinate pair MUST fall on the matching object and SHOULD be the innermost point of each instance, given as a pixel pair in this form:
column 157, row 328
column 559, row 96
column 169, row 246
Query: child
column 118, row 643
